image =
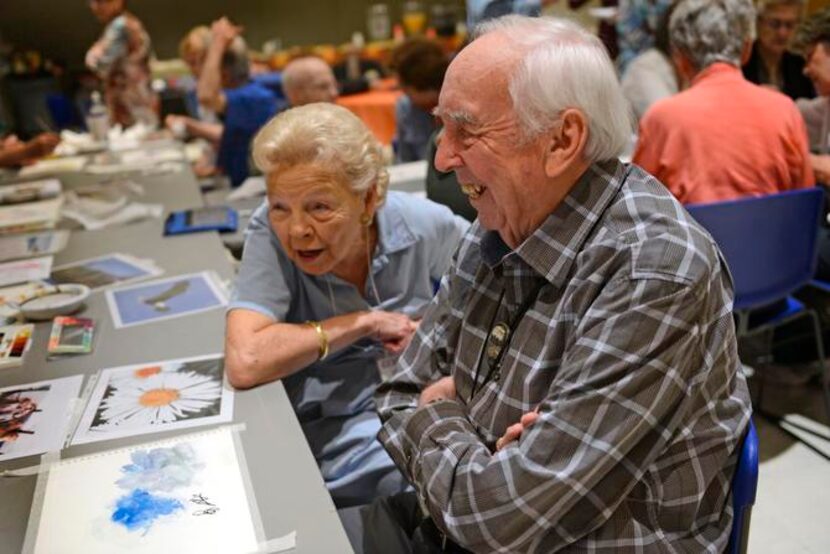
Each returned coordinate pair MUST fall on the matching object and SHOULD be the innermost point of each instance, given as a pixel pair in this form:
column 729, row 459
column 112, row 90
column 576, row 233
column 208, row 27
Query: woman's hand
column 392, row 329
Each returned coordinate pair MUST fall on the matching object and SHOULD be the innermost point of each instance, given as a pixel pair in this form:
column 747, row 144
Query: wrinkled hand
column 443, row 388
column 223, row 31
column 821, row 167
column 392, row 329
column 514, row 432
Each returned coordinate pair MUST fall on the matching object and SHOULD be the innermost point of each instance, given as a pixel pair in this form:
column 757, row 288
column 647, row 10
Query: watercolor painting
column 157, row 396
column 34, row 417
column 185, row 494
column 104, row 271
column 165, row 299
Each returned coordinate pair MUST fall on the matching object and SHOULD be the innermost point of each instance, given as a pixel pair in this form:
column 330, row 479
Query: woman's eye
column 319, row 207
column 279, row 209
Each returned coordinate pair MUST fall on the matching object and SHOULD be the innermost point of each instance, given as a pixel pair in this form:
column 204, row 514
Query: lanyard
column 499, row 336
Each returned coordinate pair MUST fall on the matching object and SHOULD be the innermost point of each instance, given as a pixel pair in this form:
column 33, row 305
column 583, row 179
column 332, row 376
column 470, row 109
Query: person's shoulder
column 422, row 216
column 648, row 225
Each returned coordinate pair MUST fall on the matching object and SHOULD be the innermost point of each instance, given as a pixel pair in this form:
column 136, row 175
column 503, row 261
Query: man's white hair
column 709, row 31
column 563, row 66
column 329, row 137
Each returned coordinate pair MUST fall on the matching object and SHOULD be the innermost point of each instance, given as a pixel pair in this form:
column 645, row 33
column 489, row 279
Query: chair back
column 744, row 487
column 769, row 242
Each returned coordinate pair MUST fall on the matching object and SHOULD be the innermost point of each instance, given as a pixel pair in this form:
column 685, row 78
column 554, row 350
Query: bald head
column 307, row 80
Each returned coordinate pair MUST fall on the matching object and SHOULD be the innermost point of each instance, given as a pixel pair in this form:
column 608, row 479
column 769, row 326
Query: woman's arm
column 259, row 349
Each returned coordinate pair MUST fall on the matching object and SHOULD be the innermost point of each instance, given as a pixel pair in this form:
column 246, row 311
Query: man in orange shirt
column 724, row 137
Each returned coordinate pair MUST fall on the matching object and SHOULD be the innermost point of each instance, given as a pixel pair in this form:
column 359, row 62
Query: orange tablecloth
column 377, row 110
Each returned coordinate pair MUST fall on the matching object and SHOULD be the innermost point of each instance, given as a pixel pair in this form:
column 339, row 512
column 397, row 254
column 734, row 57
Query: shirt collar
column 552, row 248
column 717, row 69
column 394, row 233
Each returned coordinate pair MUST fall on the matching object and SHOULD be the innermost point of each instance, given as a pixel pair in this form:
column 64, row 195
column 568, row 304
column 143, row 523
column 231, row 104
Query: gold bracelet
column 324, row 339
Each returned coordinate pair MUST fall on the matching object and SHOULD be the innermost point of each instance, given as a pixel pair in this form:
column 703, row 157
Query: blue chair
column 770, row 245
column 744, row 487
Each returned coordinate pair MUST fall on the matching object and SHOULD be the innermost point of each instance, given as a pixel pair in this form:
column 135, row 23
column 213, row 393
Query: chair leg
column 825, row 378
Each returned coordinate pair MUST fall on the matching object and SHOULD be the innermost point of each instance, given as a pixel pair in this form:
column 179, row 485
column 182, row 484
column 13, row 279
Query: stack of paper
column 53, row 166
column 32, row 216
column 29, row 192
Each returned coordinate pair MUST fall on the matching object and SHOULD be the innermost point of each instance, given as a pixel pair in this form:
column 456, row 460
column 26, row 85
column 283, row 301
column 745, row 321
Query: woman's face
column 317, row 218
column 106, row 10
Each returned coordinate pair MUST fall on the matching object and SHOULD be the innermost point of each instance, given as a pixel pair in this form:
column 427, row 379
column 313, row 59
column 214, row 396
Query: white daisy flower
column 162, row 397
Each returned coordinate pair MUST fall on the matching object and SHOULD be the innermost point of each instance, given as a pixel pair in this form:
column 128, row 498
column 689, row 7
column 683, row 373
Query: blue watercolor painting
column 139, row 509
column 160, row 470
column 163, row 299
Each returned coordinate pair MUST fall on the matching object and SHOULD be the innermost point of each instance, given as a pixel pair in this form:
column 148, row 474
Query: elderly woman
column 771, row 62
column 121, row 58
column 334, row 276
column 723, row 137
column 218, row 58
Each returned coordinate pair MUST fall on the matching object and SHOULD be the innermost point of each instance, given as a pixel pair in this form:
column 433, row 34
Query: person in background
column 308, row 79
column 220, row 60
column 575, row 384
column 723, row 137
column 335, row 274
column 652, row 75
column 813, row 38
column 420, row 65
column 771, row 62
column 121, row 58
column 636, row 27
column 15, row 152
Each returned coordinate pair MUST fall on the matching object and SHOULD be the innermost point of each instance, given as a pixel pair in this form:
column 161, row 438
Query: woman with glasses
column 771, row 63
column 121, row 59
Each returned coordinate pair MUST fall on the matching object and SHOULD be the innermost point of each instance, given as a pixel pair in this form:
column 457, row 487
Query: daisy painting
column 157, row 396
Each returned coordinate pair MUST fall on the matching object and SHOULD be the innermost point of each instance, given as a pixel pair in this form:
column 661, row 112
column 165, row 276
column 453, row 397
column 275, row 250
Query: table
column 289, row 491
column 377, row 110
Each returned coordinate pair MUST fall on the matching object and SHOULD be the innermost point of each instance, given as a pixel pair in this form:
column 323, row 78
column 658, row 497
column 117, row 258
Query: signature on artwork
column 203, row 501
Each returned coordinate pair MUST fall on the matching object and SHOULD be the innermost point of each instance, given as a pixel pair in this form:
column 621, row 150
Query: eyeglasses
column 778, row 24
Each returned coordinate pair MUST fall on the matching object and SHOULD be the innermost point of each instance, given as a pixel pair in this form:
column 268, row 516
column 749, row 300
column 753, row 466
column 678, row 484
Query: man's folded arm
column 618, row 398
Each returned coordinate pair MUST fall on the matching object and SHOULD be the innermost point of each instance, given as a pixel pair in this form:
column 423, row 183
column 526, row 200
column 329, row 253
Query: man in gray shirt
column 575, row 384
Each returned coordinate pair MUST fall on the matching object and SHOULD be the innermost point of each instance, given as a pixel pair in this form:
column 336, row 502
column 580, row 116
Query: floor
column 792, row 509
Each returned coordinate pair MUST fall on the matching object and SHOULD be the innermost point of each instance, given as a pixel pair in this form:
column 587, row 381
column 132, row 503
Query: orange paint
column 155, row 398
column 146, row 372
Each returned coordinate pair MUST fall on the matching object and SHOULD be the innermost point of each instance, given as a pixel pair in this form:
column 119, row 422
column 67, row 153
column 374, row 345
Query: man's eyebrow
column 459, row 117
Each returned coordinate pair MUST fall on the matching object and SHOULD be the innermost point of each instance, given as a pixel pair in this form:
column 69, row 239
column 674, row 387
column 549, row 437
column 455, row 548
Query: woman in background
column 121, row 58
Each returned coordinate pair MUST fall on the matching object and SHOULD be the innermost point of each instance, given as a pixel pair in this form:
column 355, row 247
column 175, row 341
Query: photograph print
column 154, row 397
column 34, row 416
column 104, row 271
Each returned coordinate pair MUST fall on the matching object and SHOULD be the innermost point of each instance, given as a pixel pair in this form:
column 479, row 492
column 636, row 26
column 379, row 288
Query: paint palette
column 14, row 343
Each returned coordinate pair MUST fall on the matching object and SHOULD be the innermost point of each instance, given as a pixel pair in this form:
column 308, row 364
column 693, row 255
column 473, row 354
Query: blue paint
column 139, row 509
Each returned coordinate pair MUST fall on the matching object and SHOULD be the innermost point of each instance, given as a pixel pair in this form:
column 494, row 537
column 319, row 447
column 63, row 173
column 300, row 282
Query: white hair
column 328, row 136
column 563, row 66
column 709, row 31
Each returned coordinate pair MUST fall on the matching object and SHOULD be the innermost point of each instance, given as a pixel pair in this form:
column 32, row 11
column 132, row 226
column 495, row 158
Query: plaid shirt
column 628, row 351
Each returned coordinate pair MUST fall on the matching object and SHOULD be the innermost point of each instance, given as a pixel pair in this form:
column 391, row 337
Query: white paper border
column 83, row 434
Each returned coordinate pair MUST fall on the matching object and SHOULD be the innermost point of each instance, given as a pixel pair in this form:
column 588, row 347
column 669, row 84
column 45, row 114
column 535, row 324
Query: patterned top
column 628, row 352
column 636, row 25
column 121, row 58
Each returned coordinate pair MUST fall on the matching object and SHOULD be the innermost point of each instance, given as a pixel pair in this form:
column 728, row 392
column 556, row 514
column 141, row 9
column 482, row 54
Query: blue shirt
column 247, row 109
column 333, row 398
column 413, row 127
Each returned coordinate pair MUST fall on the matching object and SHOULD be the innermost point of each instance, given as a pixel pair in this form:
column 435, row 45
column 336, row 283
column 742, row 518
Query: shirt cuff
column 423, row 420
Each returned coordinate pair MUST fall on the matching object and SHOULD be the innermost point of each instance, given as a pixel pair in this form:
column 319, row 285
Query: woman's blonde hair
column 328, row 136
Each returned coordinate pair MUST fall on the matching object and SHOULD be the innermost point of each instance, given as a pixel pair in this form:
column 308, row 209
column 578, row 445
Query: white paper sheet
column 183, row 495
column 27, row 245
column 250, row 188
column 54, row 166
column 21, row 271
column 34, row 417
column 30, row 216
column 31, row 191
column 162, row 299
column 156, row 396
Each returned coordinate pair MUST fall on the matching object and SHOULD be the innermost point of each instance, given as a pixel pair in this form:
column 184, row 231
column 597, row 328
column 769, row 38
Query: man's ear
column 566, row 143
column 746, row 52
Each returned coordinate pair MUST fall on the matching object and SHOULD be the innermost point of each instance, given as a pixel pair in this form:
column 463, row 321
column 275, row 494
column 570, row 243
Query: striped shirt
column 628, row 352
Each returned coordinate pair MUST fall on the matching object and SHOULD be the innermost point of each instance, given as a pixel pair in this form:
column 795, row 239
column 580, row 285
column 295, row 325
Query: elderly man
column 771, row 63
column 723, row 137
column 308, row 79
column 219, row 59
column 575, row 383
